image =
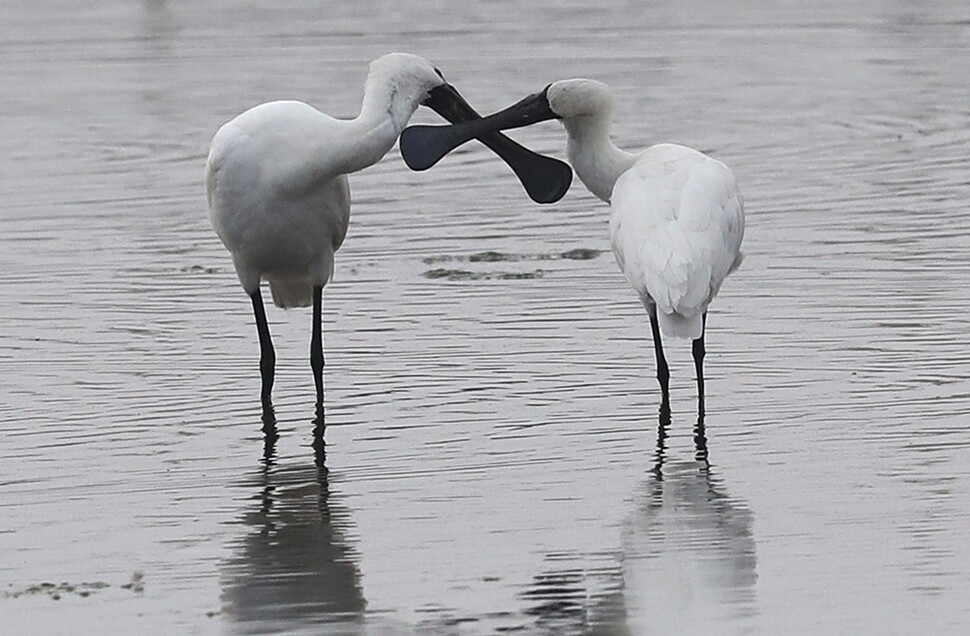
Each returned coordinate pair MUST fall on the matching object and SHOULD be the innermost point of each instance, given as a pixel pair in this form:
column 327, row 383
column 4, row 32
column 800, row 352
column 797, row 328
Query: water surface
column 492, row 461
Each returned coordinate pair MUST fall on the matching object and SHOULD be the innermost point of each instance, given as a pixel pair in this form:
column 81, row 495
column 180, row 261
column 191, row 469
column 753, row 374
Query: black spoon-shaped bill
column 545, row 179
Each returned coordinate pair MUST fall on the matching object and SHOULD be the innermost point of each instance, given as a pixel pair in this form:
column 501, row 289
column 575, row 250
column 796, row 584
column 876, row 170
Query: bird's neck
column 595, row 158
column 383, row 115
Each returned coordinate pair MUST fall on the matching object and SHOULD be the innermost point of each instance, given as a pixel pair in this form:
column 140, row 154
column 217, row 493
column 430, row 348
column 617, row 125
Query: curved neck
column 597, row 161
column 383, row 115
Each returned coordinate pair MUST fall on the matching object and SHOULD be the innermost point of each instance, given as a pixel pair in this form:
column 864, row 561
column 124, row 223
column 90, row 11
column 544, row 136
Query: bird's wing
column 342, row 207
column 223, row 143
column 677, row 227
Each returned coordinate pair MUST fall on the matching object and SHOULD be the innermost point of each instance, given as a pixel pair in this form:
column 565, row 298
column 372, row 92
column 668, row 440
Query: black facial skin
column 545, row 179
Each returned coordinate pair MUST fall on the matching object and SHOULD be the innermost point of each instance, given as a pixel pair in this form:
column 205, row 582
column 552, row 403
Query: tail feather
column 678, row 326
column 291, row 293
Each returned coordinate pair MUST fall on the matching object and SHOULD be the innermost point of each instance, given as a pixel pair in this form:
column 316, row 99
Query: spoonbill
column 279, row 197
column 677, row 215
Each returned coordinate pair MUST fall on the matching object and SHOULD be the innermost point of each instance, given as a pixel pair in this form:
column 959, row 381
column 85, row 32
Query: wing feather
column 676, row 228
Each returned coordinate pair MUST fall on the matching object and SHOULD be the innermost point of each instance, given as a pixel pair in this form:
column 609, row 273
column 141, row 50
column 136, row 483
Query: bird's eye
column 439, row 73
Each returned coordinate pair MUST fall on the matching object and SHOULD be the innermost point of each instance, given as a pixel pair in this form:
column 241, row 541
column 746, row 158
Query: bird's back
column 676, row 231
column 276, row 203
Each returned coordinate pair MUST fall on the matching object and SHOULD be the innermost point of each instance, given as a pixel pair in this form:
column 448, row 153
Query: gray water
column 492, row 460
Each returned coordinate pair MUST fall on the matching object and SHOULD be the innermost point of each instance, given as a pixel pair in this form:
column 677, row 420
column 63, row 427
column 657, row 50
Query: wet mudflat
column 496, row 459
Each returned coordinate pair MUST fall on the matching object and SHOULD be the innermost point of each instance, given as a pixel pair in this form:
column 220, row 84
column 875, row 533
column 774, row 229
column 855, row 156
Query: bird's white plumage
column 676, row 231
column 276, row 177
column 277, row 200
column 677, row 219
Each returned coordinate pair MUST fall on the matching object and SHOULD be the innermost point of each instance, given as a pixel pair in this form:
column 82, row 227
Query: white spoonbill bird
column 677, row 219
column 279, row 197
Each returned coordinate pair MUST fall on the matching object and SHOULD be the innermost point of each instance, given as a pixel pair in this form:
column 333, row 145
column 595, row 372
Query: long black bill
column 545, row 179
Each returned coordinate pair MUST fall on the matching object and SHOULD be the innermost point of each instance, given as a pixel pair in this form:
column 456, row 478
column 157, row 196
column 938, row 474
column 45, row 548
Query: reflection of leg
column 270, row 435
column 316, row 345
column 699, row 353
column 319, row 446
column 663, row 373
column 267, row 357
column 663, row 425
column 700, row 439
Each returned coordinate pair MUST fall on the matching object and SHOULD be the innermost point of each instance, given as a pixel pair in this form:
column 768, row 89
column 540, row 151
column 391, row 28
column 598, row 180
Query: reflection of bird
column 279, row 197
column 295, row 566
column 677, row 218
column 689, row 562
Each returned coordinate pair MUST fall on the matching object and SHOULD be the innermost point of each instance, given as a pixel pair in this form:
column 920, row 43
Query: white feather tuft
column 677, row 326
column 291, row 293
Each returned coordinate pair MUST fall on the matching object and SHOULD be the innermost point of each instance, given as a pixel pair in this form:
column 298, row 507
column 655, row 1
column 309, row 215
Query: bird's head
column 579, row 98
column 410, row 81
column 409, row 75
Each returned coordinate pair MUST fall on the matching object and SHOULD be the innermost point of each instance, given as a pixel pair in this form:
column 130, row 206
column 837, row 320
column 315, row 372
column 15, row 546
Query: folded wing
column 676, row 230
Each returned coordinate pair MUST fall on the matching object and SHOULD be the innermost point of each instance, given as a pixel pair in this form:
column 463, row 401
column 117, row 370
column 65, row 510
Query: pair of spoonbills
column 279, row 197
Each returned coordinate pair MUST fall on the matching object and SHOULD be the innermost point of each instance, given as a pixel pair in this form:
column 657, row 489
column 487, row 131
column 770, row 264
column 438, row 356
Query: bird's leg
column 663, row 372
column 316, row 348
column 699, row 352
column 267, row 357
column 316, row 363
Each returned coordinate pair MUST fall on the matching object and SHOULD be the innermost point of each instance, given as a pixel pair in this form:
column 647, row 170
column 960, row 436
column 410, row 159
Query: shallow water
column 492, row 461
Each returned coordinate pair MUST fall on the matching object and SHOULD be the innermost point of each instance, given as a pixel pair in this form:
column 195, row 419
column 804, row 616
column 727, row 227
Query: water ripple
column 490, row 426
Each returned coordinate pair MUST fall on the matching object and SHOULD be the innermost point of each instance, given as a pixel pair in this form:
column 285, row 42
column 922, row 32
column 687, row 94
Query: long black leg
column 316, row 345
column 663, row 372
column 317, row 363
column 267, row 356
column 699, row 352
